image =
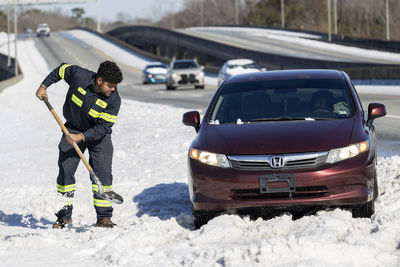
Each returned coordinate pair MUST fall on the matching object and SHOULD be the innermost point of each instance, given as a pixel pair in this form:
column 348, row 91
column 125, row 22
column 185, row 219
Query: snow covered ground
column 155, row 227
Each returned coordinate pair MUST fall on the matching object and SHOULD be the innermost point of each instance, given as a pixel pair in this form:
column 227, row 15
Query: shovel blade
column 111, row 196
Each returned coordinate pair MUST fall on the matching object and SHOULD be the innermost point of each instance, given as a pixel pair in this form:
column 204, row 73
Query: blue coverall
column 93, row 115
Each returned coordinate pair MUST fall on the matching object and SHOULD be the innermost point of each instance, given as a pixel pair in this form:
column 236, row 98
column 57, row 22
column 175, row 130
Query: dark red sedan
column 283, row 140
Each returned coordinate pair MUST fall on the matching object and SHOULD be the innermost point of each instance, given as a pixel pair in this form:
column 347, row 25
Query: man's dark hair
column 109, row 72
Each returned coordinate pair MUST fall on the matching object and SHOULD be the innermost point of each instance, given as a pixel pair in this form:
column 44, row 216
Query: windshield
column 185, row 65
column 302, row 99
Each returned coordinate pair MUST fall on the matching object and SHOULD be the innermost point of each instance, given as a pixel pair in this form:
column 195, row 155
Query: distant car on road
column 43, row 29
column 294, row 140
column 154, row 72
column 28, row 29
column 185, row 72
column 237, row 66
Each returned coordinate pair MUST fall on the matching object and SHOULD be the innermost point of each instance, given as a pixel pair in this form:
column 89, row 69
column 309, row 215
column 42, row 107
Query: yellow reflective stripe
column 68, row 204
column 104, row 116
column 61, row 71
column 94, row 113
column 65, row 188
column 101, row 103
column 81, row 90
column 95, row 187
column 108, row 117
column 76, row 100
column 101, row 203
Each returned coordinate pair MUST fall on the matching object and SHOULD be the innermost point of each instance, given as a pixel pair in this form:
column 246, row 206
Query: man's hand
column 74, row 138
column 41, row 93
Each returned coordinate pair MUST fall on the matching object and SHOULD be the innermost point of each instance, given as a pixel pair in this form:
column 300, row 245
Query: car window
column 284, row 99
column 185, row 65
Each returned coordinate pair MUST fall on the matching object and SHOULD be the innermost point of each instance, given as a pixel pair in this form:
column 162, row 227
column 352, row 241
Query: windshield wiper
column 291, row 119
column 281, row 119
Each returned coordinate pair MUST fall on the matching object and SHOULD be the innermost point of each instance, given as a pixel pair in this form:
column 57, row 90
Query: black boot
column 61, row 223
column 105, row 222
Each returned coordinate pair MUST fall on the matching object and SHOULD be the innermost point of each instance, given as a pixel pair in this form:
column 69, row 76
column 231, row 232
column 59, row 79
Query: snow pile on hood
column 157, row 70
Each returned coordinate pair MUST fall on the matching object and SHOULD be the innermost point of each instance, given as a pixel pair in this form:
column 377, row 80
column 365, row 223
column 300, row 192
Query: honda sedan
column 292, row 140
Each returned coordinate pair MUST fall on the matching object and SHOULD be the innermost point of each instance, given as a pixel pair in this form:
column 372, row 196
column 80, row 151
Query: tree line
column 354, row 18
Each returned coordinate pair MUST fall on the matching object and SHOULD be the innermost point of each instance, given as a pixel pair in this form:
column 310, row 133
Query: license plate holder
column 277, row 183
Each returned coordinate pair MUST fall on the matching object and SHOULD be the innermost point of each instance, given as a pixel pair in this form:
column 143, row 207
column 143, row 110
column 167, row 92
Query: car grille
column 188, row 78
column 302, row 192
column 290, row 161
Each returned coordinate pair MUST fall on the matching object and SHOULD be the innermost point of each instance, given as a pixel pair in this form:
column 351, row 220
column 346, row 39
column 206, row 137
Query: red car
column 289, row 140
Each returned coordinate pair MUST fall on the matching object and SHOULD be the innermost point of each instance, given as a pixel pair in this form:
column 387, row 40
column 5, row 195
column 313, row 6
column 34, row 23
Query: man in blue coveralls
column 91, row 108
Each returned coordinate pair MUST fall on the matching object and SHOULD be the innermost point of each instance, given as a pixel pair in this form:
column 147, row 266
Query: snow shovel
column 108, row 195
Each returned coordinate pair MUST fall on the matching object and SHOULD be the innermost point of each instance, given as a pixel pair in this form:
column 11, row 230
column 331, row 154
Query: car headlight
column 214, row 159
column 339, row 154
column 200, row 74
column 175, row 76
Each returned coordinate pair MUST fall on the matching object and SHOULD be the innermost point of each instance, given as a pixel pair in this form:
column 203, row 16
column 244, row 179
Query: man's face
column 104, row 87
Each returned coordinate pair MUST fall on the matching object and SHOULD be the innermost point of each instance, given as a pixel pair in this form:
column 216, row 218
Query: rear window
column 283, row 99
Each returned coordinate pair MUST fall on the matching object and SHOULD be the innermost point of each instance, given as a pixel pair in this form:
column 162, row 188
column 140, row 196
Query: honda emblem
column 277, row 162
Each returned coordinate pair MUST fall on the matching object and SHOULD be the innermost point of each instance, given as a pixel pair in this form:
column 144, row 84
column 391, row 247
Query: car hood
column 279, row 137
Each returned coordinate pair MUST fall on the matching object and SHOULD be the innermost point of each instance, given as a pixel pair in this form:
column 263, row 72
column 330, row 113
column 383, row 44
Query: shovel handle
column 66, row 132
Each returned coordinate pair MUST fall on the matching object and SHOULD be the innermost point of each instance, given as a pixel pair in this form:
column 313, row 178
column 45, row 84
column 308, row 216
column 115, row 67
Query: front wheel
column 367, row 209
column 200, row 218
column 364, row 211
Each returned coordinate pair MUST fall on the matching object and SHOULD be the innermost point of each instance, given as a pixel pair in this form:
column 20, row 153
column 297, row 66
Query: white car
column 237, row 66
column 185, row 72
column 43, row 29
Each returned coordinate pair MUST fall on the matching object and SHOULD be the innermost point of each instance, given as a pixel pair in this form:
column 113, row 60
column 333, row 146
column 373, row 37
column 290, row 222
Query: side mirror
column 375, row 110
column 192, row 118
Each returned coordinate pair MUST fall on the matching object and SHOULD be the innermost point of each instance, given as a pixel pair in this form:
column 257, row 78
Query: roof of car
column 155, row 64
column 287, row 74
column 240, row 61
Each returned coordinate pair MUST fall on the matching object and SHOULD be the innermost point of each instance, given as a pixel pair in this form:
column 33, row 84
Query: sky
column 155, row 226
column 109, row 9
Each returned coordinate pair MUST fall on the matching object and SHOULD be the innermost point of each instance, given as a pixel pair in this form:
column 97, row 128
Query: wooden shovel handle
column 66, row 132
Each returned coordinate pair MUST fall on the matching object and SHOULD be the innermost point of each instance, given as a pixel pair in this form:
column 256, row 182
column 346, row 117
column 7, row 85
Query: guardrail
column 7, row 73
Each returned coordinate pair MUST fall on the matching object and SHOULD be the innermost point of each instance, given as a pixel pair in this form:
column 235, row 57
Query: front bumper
column 188, row 79
column 349, row 182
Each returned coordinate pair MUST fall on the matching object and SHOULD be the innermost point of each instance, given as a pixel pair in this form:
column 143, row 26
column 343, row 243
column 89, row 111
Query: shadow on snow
column 165, row 201
column 23, row 221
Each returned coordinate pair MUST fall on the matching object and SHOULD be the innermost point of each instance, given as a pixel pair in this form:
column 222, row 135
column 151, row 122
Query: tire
column 169, row 87
column 200, row 218
column 368, row 209
column 364, row 211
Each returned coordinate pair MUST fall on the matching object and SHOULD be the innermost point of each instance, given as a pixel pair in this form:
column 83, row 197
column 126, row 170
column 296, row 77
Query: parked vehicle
column 237, row 66
column 283, row 140
column 43, row 29
column 155, row 72
column 185, row 72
